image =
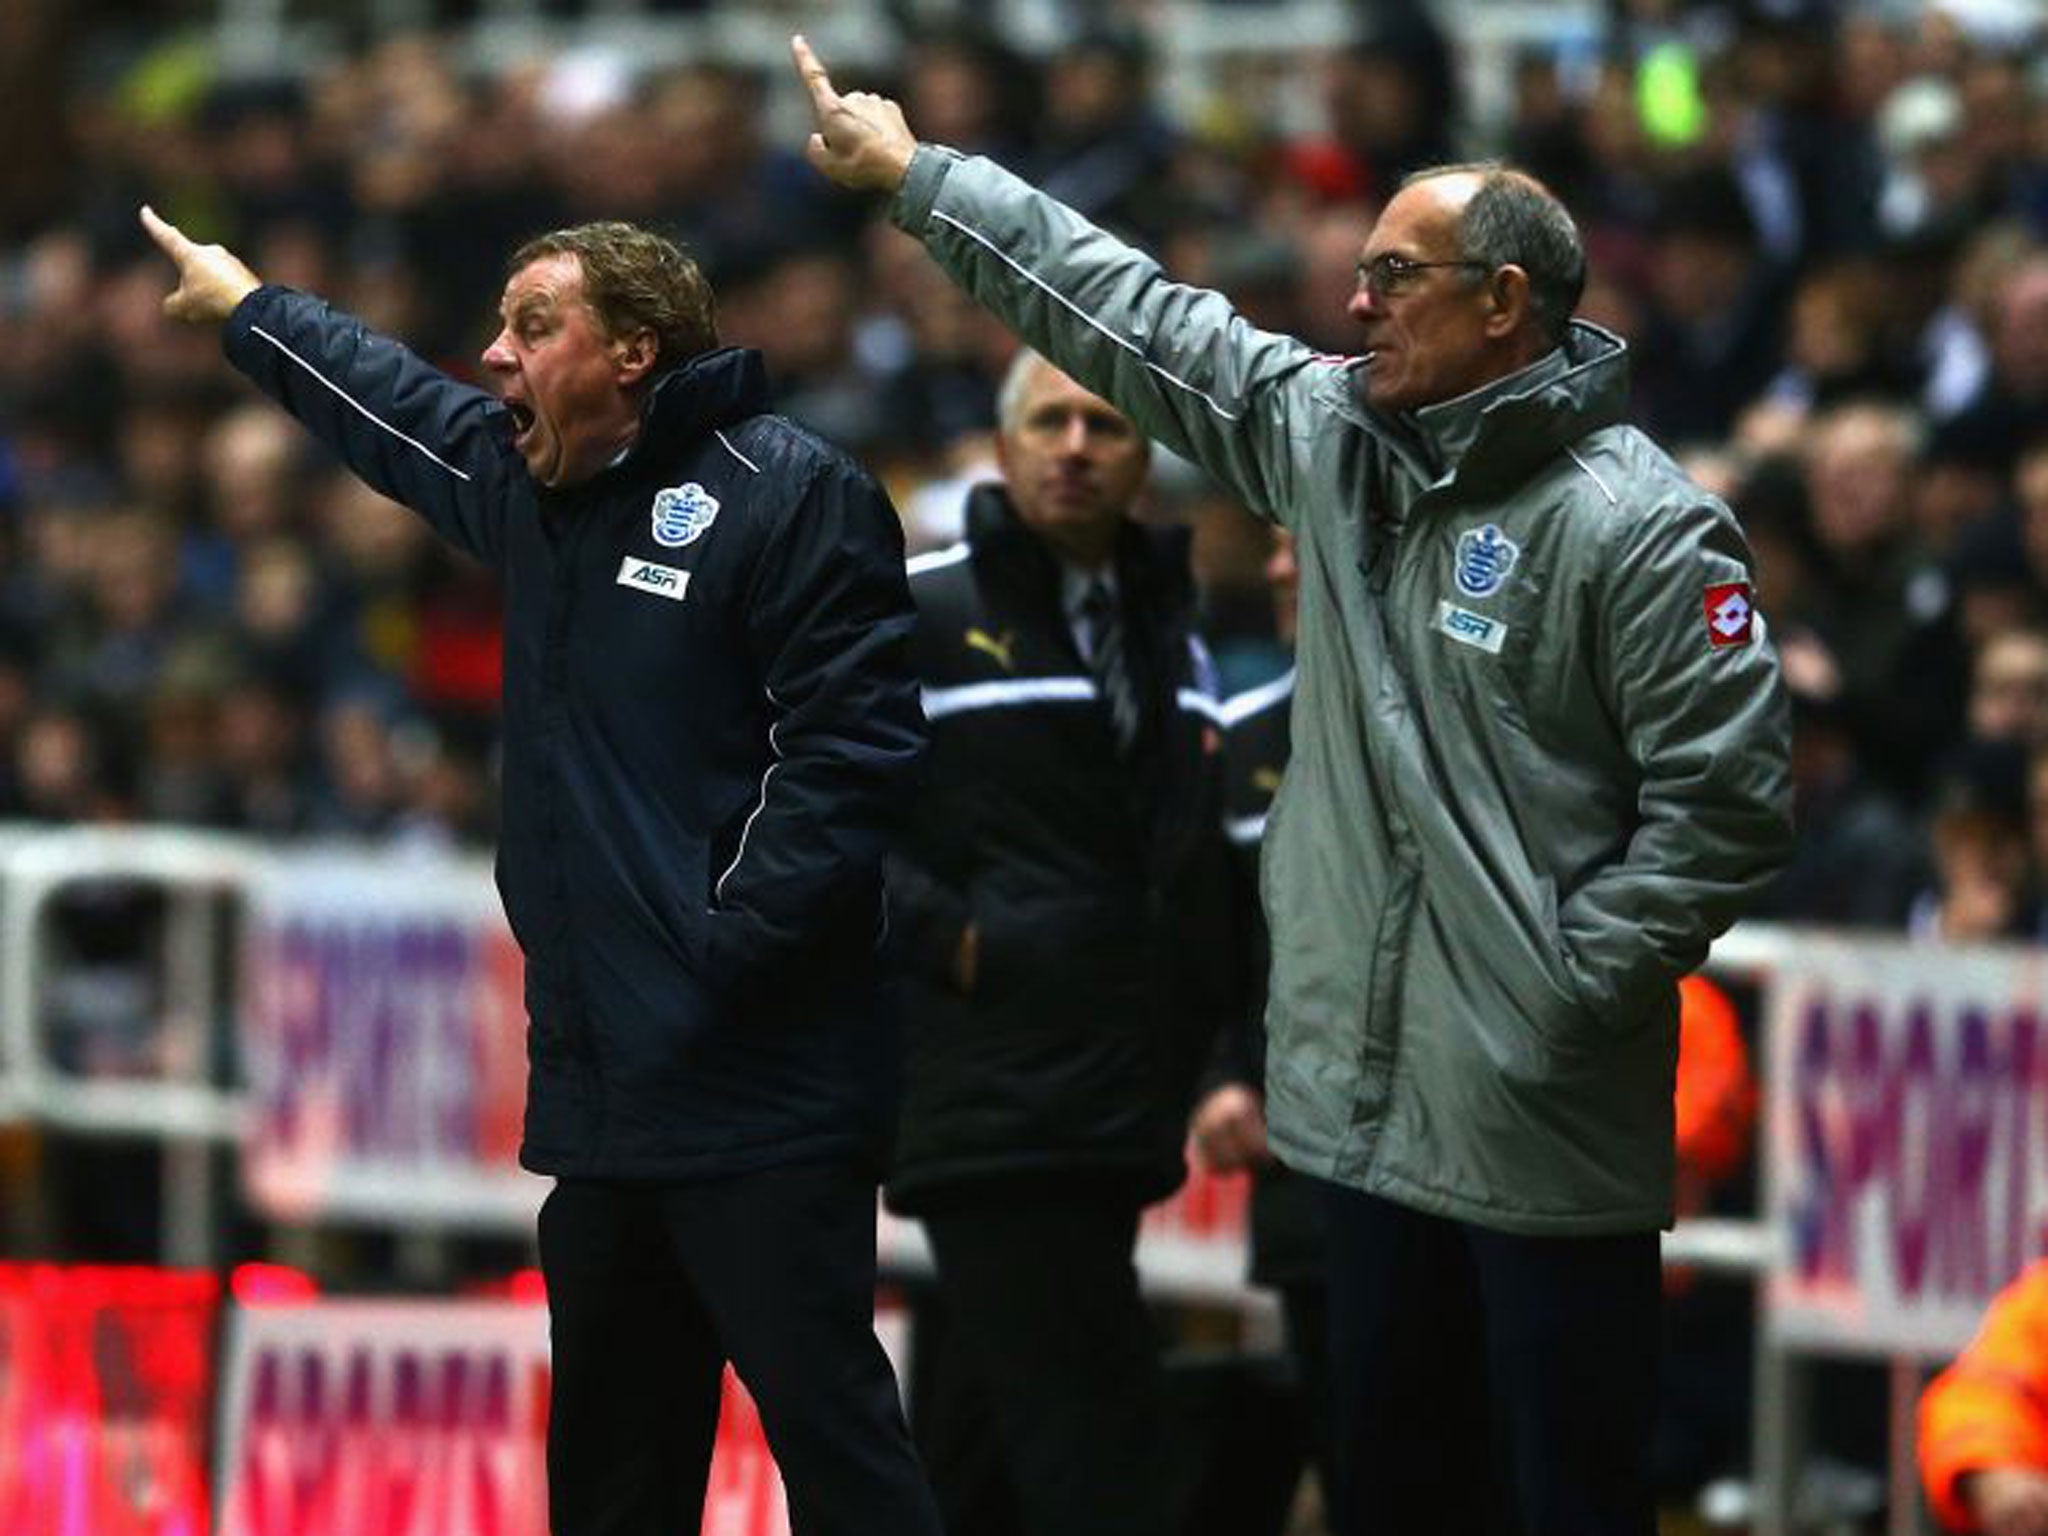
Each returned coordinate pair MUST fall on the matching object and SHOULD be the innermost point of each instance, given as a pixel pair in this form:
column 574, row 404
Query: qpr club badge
column 682, row 513
column 1484, row 558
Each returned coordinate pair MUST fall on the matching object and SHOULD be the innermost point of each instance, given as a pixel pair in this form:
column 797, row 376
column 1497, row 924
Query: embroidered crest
column 1731, row 614
column 998, row 646
column 1484, row 558
column 682, row 513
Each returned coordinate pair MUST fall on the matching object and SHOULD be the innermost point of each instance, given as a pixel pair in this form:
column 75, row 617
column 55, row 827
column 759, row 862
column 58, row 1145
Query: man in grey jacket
column 1540, row 761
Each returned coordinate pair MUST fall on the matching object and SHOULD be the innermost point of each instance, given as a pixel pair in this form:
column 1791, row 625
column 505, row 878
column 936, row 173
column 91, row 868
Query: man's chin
column 545, row 468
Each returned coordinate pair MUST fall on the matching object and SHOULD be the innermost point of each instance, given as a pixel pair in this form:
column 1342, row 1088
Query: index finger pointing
column 811, row 70
column 166, row 234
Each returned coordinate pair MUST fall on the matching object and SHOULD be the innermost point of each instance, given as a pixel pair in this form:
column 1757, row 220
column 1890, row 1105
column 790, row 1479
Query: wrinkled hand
column 211, row 279
column 1229, row 1129
column 862, row 141
column 2009, row 1501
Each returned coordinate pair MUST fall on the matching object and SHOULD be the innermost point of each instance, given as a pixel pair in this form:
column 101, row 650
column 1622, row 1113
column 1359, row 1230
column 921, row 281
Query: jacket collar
column 1498, row 434
column 1154, row 558
column 711, row 390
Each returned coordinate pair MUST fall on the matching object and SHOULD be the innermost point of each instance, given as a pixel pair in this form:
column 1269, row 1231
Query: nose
column 498, row 355
column 1364, row 305
column 1074, row 437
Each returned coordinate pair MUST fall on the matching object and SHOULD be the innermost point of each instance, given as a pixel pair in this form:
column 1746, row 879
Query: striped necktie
column 1112, row 669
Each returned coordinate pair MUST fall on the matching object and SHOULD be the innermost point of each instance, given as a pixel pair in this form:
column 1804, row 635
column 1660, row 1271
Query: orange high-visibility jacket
column 1990, row 1408
column 1716, row 1099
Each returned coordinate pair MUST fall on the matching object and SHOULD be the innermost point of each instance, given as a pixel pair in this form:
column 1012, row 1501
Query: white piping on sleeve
column 937, row 559
column 941, row 702
column 1244, row 831
column 357, row 405
column 1252, row 700
column 1612, row 499
column 1005, row 694
column 1038, row 282
column 774, row 746
column 1195, row 702
column 734, row 451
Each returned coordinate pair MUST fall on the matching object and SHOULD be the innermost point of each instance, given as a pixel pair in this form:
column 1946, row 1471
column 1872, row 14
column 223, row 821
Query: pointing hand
column 861, row 141
column 211, row 279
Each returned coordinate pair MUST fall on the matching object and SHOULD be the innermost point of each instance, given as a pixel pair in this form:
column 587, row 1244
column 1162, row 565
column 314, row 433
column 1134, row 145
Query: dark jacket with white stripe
column 711, row 728
column 1099, row 886
column 1286, row 1219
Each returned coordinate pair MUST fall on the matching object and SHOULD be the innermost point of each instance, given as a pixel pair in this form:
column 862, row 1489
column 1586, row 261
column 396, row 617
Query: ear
column 1507, row 291
column 634, row 356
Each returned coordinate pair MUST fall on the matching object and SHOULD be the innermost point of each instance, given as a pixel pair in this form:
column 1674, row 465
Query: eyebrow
column 527, row 304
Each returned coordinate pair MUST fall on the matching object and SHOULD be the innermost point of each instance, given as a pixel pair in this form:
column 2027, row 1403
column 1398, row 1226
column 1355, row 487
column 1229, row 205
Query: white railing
column 352, row 1028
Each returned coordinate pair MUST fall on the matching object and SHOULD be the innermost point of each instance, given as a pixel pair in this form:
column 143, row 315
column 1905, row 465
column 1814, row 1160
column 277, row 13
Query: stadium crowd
column 1821, row 230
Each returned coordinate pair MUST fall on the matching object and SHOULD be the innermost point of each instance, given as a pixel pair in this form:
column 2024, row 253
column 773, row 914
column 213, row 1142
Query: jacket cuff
column 234, row 331
column 911, row 209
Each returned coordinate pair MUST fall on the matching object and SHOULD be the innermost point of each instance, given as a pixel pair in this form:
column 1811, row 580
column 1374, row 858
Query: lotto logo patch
column 1731, row 615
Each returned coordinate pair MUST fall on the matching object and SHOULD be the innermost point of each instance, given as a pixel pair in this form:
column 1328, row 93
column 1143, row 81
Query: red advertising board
column 105, row 1387
column 424, row 1418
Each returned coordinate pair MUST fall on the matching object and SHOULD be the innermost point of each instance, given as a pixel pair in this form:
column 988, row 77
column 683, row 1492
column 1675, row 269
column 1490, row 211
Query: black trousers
column 653, row 1287
column 1485, row 1383
column 1041, row 1404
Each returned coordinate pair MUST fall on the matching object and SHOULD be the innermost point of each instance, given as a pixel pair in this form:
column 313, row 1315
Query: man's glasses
column 1385, row 276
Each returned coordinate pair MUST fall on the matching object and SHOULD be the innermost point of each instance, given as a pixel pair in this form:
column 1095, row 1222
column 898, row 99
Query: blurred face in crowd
column 2009, row 688
column 2021, row 339
column 1072, row 462
column 2037, row 807
column 572, row 390
column 1437, row 331
column 1858, row 473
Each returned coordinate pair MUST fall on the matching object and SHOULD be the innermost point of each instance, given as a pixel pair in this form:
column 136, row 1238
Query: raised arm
column 405, row 428
column 1179, row 361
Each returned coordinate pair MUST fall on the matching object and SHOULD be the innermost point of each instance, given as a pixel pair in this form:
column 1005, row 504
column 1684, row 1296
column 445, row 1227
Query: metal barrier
column 375, row 1074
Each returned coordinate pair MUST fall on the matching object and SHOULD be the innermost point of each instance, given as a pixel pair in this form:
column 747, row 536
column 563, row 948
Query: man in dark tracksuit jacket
column 1063, row 892
column 710, row 729
column 1229, row 1124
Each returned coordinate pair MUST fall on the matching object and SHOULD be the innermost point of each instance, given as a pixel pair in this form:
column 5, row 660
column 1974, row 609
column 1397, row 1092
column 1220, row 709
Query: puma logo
column 998, row 646
column 1266, row 780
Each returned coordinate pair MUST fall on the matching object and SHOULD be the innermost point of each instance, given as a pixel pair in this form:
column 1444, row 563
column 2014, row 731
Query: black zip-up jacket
column 1099, row 888
column 711, row 729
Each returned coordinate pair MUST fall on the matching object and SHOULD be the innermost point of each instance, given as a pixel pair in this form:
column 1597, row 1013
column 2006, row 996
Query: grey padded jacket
column 1540, row 740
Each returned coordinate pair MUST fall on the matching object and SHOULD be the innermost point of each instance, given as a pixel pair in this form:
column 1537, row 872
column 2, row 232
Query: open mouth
column 522, row 419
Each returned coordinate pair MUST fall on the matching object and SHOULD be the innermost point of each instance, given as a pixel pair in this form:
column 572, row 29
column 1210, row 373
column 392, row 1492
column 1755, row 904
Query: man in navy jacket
column 711, row 724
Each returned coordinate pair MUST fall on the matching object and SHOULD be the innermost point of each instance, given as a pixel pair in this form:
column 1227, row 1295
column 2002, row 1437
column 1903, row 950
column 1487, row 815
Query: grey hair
column 1513, row 219
column 1010, row 393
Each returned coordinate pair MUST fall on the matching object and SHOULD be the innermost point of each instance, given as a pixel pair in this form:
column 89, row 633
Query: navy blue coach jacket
column 711, row 724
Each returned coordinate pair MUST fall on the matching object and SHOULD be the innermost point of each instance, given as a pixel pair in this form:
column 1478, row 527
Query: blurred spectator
column 1710, row 344
column 1857, row 861
column 2009, row 689
column 62, row 773
column 1984, row 1420
column 1983, row 886
column 1390, row 106
column 2010, row 407
column 1104, row 145
column 261, row 734
column 1858, row 461
column 360, row 792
